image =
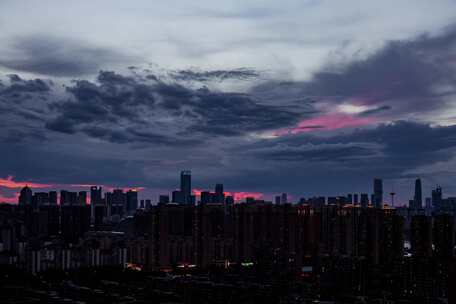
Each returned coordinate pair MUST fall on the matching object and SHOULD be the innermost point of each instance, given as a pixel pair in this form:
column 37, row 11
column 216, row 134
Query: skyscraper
column 118, row 203
column 95, row 195
column 418, row 198
column 219, row 194
column 378, row 193
column 25, row 197
column 96, row 199
column 132, row 201
column 82, row 198
column 53, row 198
column 437, row 198
column 284, row 198
column 186, row 186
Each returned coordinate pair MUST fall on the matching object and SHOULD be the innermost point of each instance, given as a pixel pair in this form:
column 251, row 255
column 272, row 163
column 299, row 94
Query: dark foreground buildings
column 339, row 246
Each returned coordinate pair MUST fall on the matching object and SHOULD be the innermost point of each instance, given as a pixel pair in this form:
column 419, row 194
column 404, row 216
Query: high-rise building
column 163, row 199
column 68, row 198
column 378, row 193
column 53, row 198
column 132, row 201
column 418, row 198
column 444, row 238
column 186, row 186
column 437, row 198
column 277, row 199
column 364, row 200
column 229, row 200
column 219, row 196
column 40, row 199
column 25, row 196
column 421, row 236
column 428, row 207
column 284, row 198
column 82, row 198
column 95, row 195
column 177, row 197
column 207, row 197
column 119, row 202
column 96, row 200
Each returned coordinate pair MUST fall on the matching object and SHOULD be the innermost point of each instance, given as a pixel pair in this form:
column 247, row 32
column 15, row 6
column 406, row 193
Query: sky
column 304, row 97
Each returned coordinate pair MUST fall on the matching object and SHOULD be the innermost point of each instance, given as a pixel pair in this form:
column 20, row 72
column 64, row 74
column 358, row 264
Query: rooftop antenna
column 392, row 193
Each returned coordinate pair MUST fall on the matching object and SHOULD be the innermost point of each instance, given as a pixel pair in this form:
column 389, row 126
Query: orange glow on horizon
column 9, row 183
column 8, row 199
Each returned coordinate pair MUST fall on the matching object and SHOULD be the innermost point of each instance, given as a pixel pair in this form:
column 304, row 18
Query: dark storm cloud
column 57, row 56
column 19, row 86
column 413, row 76
column 215, row 75
column 389, row 149
column 321, row 153
column 122, row 109
column 23, row 99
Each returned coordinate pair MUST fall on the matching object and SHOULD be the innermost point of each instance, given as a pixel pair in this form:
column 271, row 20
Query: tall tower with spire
column 418, row 198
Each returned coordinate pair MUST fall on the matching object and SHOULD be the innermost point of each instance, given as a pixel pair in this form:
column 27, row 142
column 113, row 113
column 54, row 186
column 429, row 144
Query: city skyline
column 305, row 98
column 261, row 151
column 186, row 194
column 14, row 187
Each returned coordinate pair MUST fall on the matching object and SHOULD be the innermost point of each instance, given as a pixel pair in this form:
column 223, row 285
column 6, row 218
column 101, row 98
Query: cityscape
column 354, row 248
column 239, row 152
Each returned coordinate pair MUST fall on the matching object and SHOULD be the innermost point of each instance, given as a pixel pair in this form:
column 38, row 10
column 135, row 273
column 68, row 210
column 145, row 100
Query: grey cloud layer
column 404, row 77
column 125, row 109
column 52, row 56
column 140, row 127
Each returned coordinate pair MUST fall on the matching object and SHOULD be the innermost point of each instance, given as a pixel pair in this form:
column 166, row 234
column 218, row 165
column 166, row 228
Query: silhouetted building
column 68, row 198
column 229, row 200
column 118, row 203
column 207, row 197
column 97, row 206
column 284, row 198
column 437, row 198
column 82, row 198
column 163, row 199
column 53, row 198
column 25, row 196
column 378, row 193
column 96, row 195
column 444, row 238
column 149, row 204
column 186, row 186
column 132, row 201
column 177, row 197
column 418, row 198
column 421, row 236
column 40, row 199
column 219, row 195
column 277, row 199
